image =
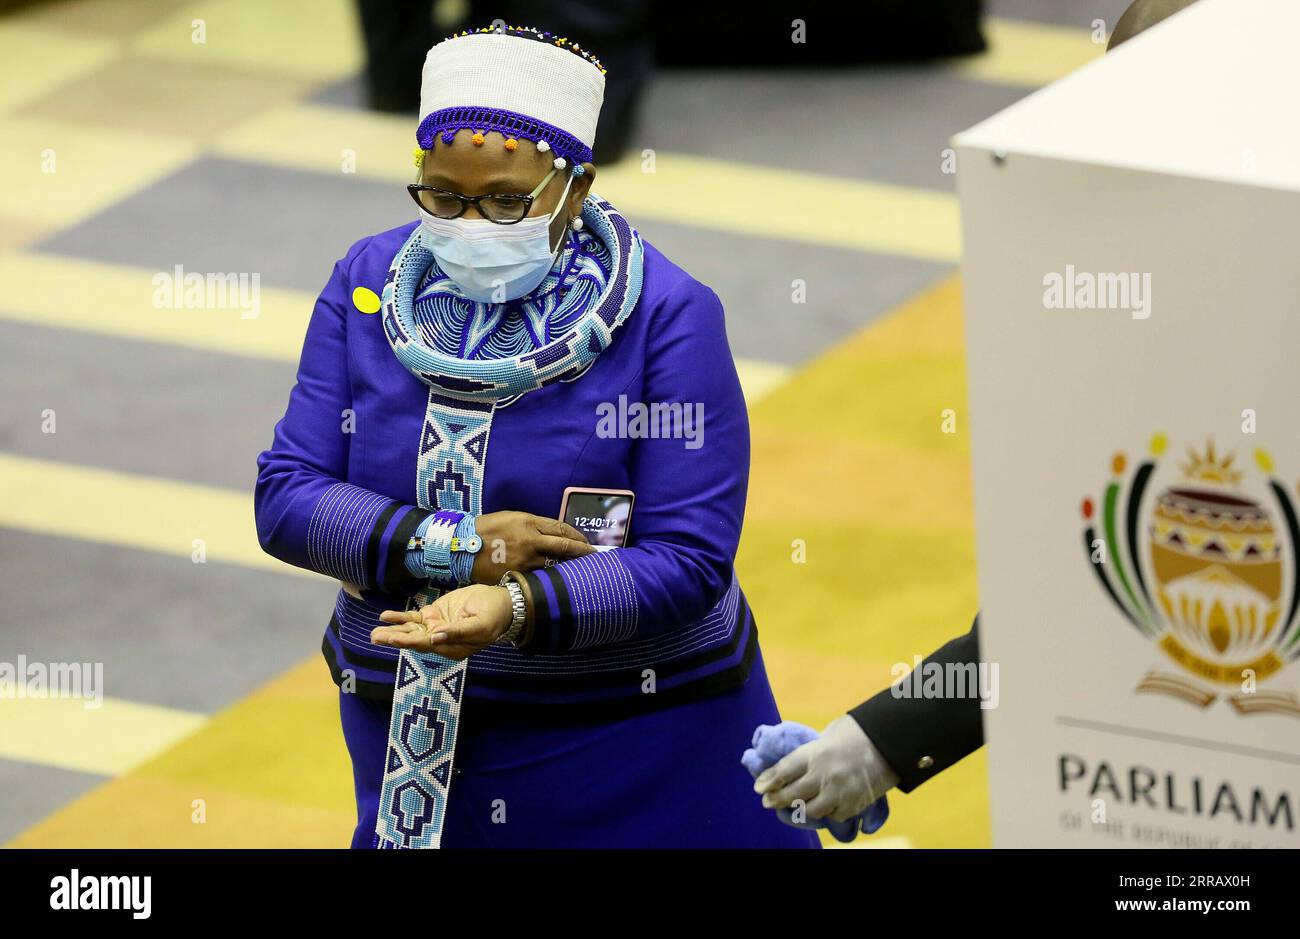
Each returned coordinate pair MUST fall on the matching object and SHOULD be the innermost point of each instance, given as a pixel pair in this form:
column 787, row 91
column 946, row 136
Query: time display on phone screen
column 604, row 517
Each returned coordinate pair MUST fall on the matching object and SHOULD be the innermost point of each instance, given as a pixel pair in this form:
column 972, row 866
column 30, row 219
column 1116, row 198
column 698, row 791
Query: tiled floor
column 232, row 155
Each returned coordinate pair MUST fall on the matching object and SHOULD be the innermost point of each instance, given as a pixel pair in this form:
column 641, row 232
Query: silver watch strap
column 519, row 612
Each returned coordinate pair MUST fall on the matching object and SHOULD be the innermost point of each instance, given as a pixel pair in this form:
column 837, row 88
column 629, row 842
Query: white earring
column 576, row 223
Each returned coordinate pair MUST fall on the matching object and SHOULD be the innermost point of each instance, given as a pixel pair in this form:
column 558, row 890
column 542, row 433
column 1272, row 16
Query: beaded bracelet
column 465, row 546
column 443, row 548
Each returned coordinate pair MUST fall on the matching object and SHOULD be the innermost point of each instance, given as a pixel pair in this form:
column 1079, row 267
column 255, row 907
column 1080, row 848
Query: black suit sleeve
column 921, row 736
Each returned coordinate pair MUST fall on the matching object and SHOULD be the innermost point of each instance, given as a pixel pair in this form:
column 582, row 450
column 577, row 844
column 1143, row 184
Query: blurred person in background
column 635, row 35
column 1141, row 15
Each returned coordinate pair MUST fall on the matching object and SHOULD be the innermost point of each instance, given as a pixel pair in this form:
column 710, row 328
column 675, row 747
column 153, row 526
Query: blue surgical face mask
column 493, row 263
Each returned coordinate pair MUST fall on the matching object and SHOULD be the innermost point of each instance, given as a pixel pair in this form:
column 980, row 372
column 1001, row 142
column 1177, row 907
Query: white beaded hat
column 521, row 82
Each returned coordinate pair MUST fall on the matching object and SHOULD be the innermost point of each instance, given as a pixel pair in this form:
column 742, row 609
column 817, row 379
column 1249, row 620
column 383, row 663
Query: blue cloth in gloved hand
column 772, row 743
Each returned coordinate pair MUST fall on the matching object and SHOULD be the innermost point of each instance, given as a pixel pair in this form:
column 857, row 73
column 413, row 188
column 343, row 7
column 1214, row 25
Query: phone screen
column 604, row 517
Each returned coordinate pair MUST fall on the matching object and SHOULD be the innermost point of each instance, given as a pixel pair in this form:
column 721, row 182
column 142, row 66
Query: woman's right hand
column 518, row 541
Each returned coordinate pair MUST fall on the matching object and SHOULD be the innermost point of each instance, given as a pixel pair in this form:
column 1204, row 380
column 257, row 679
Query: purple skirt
column 670, row 778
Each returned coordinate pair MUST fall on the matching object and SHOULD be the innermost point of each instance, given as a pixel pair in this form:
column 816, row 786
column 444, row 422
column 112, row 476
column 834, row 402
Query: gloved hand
column 774, row 745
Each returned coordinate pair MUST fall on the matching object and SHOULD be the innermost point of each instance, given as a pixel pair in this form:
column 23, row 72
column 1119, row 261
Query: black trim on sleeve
column 548, row 630
column 376, row 537
column 625, row 677
column 397, row 579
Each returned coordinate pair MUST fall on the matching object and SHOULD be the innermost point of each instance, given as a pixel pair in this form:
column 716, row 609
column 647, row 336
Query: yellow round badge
column 365, row 300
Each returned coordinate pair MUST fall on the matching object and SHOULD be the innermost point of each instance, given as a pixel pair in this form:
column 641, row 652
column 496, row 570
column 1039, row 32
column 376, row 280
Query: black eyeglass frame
column 466, row 201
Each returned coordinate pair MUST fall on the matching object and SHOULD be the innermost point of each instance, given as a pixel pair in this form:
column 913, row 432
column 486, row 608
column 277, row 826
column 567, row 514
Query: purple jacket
column 336, row 493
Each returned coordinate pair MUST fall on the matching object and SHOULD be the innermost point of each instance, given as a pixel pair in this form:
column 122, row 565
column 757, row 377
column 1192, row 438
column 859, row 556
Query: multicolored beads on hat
column 529, row 32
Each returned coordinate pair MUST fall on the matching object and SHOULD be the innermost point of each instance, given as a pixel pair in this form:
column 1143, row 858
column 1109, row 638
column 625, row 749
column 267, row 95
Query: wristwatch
column 518, row 609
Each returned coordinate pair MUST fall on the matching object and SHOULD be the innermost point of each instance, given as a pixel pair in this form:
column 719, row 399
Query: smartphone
column 603, row 515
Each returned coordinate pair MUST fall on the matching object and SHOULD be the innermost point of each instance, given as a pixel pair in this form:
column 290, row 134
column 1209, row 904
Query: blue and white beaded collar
column 585, row 334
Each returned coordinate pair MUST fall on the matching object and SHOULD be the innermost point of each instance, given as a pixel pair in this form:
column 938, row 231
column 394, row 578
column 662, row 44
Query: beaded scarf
column 475, row 358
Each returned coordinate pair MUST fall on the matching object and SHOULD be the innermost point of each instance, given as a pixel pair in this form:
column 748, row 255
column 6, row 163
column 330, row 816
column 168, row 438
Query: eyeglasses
column 502, row 208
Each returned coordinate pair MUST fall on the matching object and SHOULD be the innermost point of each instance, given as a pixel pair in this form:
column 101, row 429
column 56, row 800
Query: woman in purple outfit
column 501, row 682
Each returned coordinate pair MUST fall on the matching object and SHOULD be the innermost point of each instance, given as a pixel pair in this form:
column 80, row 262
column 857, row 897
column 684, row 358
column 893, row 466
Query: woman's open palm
column 456, row 625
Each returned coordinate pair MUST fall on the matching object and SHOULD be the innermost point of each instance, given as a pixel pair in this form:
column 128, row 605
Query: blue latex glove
column 773, row 742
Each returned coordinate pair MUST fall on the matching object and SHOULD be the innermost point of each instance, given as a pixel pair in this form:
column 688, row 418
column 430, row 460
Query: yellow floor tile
column 759, row 379
column 907, row 371
column 863, row 592
column 18, row 232
column 133, row 511
column 118, row 300
column 927, row 325
column 107, row 740
column 327, row 139
column 814, row 687
column 59, row 173
column 736, row 197
column 251, row 34
column 39, row 59
column 858, row 482
column 140, row 812
column 191, row 100
column 949, row 811
column 114, row 18
column 271, row 771
column 281, row 744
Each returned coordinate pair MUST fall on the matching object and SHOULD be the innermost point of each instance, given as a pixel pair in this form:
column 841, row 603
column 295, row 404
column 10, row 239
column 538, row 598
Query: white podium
column 1132, row 285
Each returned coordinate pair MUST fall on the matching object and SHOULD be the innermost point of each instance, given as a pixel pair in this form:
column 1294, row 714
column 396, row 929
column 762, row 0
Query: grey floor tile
column 886, row 124
column 191, row 636
column 845, row 289
column 1079, row 13
column 31, row 792
column 139, row 407
column 348, row 93
column 221, row 215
